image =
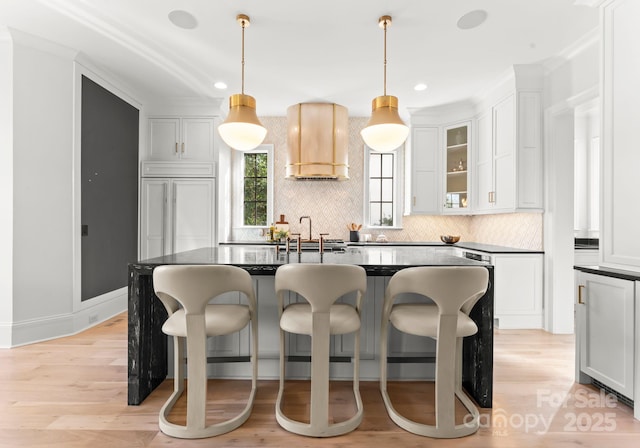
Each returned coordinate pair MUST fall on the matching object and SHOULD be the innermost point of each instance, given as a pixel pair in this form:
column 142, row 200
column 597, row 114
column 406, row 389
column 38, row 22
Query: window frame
column 398, row 187
column 238, row 159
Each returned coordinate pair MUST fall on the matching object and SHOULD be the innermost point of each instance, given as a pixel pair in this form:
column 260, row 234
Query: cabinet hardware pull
column 182, row 147
column 414, row 201
column 580, row 300
column 176, row 147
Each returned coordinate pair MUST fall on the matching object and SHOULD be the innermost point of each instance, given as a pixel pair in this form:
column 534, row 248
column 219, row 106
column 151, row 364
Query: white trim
column 398, row 184
column 109, row 27
column 636, row 368
column 237, row 183
column 589, row 3
column 80, row 70
column 592, row 37
column 44, row 45
column 558, row 319
column 52, row 327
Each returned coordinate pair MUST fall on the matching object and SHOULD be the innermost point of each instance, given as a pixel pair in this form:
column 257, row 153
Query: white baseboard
column 5, row 334
column 15, row 334
column 519, row 322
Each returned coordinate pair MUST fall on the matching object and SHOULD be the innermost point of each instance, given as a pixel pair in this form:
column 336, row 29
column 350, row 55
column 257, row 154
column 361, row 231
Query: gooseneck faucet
column 309, row 218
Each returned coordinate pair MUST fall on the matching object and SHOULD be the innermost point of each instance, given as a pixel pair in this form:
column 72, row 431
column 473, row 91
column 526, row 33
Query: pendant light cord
column 385, row 57
column 243, row 26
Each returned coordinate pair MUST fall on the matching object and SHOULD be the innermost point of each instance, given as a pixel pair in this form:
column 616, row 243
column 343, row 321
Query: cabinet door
column 484, row 163
column 605, row 312
column 504, row 155
column 164, row 139
column 154, row 230
column 518, row 290
column 424, row 178
column 456, row 164
column 193, row 214
column 197, row 139
column 529, row 155
column 620, row 237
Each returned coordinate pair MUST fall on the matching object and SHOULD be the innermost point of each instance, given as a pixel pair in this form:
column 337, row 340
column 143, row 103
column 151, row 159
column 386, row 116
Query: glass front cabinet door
column 456, row 180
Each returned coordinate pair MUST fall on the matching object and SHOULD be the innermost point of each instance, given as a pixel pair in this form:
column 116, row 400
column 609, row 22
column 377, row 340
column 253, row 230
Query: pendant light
column 242, row 130
column 385, row 130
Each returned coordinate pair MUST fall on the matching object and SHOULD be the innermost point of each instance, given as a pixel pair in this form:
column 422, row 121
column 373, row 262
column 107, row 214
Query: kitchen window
column 383, row 188
column 255, row 189
column 255, row 186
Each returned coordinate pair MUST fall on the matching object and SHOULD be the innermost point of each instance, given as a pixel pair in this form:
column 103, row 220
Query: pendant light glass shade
column 242, row 129
column 385, row 130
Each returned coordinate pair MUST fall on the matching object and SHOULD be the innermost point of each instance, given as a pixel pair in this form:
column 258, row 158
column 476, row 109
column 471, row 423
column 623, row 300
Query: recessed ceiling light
column 420, row 87
column 183, row 19
column 220, row 85
column 472, row 19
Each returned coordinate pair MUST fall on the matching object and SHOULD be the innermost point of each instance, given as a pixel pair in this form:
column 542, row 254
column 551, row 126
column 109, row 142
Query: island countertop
column 261, row 260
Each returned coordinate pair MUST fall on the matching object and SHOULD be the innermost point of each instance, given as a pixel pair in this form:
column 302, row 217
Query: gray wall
column 109, row 189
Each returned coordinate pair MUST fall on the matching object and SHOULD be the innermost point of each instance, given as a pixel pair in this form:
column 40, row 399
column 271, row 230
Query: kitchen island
column 147, row 345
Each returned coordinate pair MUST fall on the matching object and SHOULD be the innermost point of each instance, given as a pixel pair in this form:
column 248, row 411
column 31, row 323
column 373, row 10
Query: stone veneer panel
column 332, row 205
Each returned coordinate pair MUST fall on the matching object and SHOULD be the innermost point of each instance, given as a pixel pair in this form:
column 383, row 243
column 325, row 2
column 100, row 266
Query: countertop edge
column 609, row 272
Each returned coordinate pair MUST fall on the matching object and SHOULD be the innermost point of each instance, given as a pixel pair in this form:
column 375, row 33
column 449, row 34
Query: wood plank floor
column 72, row 392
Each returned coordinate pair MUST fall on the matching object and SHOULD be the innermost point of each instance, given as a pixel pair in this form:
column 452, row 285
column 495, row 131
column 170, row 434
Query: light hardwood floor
column 72, row 392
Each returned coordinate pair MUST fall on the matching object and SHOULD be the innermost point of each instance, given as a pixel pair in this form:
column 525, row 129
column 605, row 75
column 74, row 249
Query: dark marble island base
column 147, row 345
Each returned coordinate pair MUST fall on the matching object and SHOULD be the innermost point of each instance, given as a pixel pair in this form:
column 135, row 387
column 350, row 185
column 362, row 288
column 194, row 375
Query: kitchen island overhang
column 147, row 345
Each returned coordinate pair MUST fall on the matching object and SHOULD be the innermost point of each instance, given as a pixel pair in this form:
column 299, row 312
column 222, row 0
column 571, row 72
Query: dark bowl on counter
column 450, row 239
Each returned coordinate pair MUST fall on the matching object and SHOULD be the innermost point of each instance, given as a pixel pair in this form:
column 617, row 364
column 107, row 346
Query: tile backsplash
column 332, row 205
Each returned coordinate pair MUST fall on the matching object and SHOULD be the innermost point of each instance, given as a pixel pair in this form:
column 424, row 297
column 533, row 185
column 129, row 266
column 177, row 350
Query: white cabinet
column 509, row 155
column 456, row 173
column 425, row 174
column 503, row 170
column 484, row 163
column 517, row 288
column 605, row 315
column 176, row 215
column 620, row 233
column 181, row 138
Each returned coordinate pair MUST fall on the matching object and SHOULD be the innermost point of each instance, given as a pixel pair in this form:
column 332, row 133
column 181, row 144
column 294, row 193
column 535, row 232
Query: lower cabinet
column 605, row 316
column 341, row 345
column 176, row 215
column 518, row 290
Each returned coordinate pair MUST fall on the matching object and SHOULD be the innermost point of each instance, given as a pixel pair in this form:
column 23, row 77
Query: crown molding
column 570, row 52
column 84, row 13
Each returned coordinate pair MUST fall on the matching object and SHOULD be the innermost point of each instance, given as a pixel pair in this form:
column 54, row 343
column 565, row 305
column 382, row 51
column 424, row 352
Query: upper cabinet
column 425, row 172
column 181, row 138
column 509, row 169
column 491, row 155
column 456, row 169
column 619, row 234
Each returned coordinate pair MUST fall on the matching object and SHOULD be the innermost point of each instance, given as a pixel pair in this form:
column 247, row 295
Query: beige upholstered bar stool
column 454, row 291
column 185, row 291
column 321, row 285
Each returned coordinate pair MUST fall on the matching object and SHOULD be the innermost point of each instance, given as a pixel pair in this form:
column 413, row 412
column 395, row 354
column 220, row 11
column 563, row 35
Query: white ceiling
column 303, row 50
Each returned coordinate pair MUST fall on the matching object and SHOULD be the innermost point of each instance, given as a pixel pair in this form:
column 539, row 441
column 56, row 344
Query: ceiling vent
column 317, row 142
